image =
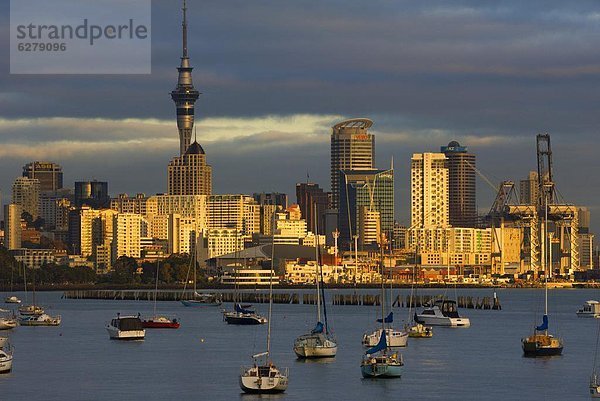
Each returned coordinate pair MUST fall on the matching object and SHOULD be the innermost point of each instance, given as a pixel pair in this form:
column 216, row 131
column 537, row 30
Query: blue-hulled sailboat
column 243, row 316
column 380, row 361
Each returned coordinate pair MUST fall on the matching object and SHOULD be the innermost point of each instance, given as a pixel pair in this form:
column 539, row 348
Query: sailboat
column 541, row 343
column 12, row 299
column 395, row 338
column 263, row 376
column 156, row 321
column 241, row 315
column 594, row 378
column 33, row 309
column 198, row 300
column 380, row 361
column 319, row 343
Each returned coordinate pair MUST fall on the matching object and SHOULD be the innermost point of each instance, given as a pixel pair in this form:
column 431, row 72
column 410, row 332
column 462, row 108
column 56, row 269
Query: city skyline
column 249, row 107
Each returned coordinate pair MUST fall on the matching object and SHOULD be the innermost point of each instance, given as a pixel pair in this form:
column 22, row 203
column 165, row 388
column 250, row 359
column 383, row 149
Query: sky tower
column 185, row 95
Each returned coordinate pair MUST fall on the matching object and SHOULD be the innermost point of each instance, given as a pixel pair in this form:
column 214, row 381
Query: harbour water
column 202, row 360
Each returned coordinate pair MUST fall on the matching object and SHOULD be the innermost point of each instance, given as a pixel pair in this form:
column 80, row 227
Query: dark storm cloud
column 490, row 74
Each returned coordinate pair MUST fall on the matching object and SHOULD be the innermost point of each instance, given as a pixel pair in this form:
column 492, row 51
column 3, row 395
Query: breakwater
column 362, row 299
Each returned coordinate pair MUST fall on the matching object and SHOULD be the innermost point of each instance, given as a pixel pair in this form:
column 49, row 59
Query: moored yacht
column 396, row 338
column 126, row 328
column 442, row 313
column 590, row 309
column 160, row 322
column 316, row 344
column 39, row 320
column 7, row 321
column 12, row 299
column 30, row 310
column 242, row 316
column 263, row 378
column 6, row 358
column 381, row 362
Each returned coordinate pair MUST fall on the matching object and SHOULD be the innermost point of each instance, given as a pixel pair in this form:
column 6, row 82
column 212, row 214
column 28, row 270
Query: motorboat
column 381, row 362
column 590, row 309
column 12, row 299
column 160, row 322
column 316, row 344
column 442, row 313
column 420, row 331
column 31, row 310
column 6, row 358
column 202, row 300
column 264, row 379
column 397, row 338
column 126, row 328
column 39, row 320
column 243, row 316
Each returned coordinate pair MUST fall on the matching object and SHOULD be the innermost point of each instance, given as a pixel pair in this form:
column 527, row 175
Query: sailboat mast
column 545, row 257
column 317, row 267
column 271, row 290
column 156, row 286
column 382, row 285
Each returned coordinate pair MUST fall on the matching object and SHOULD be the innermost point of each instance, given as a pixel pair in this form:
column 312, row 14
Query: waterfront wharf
column 288, row 297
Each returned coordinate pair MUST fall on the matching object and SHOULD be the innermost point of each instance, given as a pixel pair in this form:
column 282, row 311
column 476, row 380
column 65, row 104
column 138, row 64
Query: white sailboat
column 381, row 361
column 12, row 299
column 263, row 376
column 319, row 342
column 414, row 328
column 6, row 356
column 395, row 338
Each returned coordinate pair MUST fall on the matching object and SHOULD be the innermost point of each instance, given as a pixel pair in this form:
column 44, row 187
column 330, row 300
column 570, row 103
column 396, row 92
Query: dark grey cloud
column 426, row 72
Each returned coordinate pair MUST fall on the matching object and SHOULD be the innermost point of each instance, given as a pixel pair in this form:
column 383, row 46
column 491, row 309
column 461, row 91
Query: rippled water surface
column 202, row 359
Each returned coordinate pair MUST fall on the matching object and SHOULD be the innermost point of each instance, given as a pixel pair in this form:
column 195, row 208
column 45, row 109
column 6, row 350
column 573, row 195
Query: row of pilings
column 258, row 297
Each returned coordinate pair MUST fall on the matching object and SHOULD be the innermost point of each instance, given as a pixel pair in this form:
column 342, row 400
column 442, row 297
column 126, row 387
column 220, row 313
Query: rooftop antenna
column 184, row 31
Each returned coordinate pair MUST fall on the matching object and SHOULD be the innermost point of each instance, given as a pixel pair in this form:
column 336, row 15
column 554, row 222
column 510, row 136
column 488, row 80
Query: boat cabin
column 127, row 323
column 448, row 308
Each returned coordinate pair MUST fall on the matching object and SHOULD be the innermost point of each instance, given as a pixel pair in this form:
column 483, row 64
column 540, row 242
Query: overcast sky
column 276, row 75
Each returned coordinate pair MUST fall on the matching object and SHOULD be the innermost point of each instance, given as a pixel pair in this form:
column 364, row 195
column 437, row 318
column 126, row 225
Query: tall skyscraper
column 312, row 200
column 26, row 193
column 372, row 189
column 429, row 190
column 188, row 173
column 185, row 95
column 49, row 174
column 271, row 198
column 528, row 189
column 462, row 202
column 92, row 193
column 352, row 148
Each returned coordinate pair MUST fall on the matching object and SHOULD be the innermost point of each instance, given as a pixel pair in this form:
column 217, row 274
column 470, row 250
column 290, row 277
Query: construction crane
column 563, row 218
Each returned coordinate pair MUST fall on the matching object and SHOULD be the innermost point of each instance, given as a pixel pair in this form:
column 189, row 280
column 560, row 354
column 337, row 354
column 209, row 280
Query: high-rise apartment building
column 313, row 201
column 49, row 174
column 239, row 212
column 429, row 190
column 12, row 226
column 271, row 198
column 26, row 193
column 373, row 189
column 528, row 189
column 126, row 235
column 126, row 204
column 462, row 203
column 352, row 148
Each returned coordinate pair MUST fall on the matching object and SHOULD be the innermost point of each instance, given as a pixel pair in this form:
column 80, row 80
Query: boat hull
column 381, row 370
column 7, row 324
column 6, row 364
column 395, row 338
column 443, row 321
column 541, row 345
column 270, row 383
column 160, row 325
column 243, row 319
column 130, row 335
column 198, row 304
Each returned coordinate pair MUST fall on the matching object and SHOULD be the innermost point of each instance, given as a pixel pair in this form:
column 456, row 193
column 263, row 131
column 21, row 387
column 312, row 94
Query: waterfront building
column 26, row 193
column 34, row 258
column 313, row 201
column 373, row 189
column 429, row 190
column 352, row 148
column 12, row 226
column 462, row 203
column 50, row 175
column 216, row 242
column 92, row 193
column 297, row 272
column 248, row 276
